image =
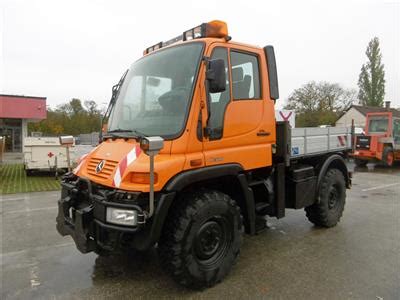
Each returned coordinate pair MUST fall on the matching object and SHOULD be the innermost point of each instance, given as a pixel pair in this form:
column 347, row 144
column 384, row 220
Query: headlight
column 122, row 216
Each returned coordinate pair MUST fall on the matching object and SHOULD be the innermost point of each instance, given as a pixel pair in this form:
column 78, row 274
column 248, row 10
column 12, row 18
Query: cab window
column 396, row 131
column 219, row 101
column 245, row 76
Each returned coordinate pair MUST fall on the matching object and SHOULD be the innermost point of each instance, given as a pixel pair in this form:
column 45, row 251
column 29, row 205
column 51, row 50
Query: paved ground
column 358, row 259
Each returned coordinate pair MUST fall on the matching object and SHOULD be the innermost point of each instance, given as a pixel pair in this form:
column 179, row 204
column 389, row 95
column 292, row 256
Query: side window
column 396, row 131
column 219, row 101
column 245, row 76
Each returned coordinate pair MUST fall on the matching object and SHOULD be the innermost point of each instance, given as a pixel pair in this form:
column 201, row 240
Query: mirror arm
column 207, row 130
column 208, row 101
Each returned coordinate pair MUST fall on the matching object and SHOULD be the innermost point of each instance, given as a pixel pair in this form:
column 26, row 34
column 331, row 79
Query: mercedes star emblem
column 100, row 166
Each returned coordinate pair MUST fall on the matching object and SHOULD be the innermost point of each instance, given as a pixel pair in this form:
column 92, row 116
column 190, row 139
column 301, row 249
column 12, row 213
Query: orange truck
column 193, row 158
column 381, row 141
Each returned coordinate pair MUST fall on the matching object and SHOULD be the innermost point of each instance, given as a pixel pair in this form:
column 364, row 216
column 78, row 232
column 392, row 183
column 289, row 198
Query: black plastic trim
column 146, row 238
column 116, row 227
column 340, row 164
column 272, row 72
column 186, row 178
column 280, row 190
column 250, row 204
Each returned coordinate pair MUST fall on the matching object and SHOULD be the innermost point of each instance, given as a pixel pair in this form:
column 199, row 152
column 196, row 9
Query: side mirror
column 152, row 81
column 215, row 75
column 151, row 144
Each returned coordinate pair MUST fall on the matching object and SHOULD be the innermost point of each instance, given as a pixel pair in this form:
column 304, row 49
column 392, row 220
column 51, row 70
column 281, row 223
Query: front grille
column 363, row 142
column 107, row 170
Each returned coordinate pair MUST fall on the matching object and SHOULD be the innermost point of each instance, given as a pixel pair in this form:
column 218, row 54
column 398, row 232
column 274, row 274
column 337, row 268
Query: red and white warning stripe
column 123, row 165
column 286, row 118
column 342, row 140
column 76, row 170
column 82, row 160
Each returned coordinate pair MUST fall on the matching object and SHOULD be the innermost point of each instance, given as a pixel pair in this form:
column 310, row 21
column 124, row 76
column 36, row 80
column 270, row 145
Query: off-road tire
column 188, row 249
column 102, row 252
column 360, row 162
column 386, row 152
column 332, row 198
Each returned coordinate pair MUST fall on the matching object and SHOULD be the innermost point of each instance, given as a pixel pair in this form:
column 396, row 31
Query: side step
column 261, row 208
column 261, row 224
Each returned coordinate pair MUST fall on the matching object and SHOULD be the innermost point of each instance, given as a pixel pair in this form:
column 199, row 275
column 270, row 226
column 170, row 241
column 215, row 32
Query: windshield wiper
column 120, row 130
column 114, row 95
column 125, row 133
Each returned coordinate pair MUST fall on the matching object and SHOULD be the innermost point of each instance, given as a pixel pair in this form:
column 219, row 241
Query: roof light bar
column 217, row 29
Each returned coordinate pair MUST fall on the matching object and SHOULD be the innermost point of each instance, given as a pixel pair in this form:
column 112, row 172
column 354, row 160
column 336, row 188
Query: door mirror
column 215, row 75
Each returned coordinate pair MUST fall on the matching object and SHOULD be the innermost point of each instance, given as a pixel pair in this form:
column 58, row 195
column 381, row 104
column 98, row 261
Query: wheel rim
column 389, row 158
column 333, row 196
column 212, row 241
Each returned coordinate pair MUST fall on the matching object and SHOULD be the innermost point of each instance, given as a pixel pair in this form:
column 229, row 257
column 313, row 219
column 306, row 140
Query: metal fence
column 88, row 138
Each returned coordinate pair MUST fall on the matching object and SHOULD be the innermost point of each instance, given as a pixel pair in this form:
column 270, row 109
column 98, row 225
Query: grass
column 14, row 180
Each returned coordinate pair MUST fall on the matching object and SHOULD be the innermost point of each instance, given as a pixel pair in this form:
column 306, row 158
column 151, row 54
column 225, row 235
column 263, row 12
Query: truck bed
column 315, row 140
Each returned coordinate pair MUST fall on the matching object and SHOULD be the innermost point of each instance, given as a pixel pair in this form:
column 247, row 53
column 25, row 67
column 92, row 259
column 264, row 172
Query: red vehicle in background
column 381, row 141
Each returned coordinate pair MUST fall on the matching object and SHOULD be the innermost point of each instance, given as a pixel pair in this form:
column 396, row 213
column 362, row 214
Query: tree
column 319, row 103
column 372, row 77
column 70, row 118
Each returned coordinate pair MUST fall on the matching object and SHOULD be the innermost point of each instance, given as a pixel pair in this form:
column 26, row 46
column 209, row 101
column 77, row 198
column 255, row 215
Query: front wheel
column 201, row 239
column 332, row 197
column 388, row 156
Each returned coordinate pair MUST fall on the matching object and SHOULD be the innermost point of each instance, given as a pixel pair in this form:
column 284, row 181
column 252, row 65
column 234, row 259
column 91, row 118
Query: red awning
column 22, row 107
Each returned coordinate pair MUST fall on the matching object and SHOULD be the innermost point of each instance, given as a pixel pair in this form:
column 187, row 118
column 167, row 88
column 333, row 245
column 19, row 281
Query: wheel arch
column 333, row 161
column 227, row 178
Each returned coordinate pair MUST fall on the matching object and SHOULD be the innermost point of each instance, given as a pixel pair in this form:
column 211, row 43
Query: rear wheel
column 388, row 156
column 332, row 197
column 201, row 239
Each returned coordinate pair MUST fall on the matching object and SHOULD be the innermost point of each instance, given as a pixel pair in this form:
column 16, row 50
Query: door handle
column 263, row 133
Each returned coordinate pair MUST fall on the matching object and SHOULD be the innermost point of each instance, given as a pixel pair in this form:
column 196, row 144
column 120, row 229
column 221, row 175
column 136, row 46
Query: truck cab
column 193, row 157
column 381, row 141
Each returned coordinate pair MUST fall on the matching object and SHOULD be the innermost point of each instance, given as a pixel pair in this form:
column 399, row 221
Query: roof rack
column 215, row 28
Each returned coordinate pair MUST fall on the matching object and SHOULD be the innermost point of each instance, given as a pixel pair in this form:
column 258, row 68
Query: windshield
column 378, row 124
column 156, row 93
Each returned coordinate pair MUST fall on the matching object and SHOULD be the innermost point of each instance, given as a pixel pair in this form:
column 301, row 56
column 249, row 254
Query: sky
column 79, row 49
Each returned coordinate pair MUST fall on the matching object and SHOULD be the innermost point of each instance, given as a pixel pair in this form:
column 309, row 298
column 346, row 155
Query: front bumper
column 365, row 154
column 82, row 215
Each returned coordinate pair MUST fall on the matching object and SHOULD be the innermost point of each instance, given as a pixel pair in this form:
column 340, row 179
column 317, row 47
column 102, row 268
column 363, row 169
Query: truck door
column 396, row 133
column 238, row 131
